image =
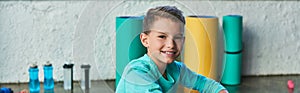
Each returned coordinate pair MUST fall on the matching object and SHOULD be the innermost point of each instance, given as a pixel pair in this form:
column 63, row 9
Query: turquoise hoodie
column 142, row 76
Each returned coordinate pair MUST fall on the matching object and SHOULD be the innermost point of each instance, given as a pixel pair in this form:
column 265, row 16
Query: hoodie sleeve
column 198, row 82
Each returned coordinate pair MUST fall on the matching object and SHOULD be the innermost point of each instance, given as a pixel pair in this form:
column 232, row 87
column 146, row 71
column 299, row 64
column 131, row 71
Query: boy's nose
column 170, row 43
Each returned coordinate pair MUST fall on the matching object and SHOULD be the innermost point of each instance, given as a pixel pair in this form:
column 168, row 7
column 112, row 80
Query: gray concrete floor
column 252, row 84
column 266, row 84
column 107, row 86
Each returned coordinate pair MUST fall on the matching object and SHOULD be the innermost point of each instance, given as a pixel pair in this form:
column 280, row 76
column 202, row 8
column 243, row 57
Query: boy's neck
column 162, row 68
column 160, row 65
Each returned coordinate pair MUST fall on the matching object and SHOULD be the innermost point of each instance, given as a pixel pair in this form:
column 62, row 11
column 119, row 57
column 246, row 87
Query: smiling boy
column 158, row 71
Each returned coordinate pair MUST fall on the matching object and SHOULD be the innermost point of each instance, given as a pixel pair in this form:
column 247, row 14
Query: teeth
column 169, row 52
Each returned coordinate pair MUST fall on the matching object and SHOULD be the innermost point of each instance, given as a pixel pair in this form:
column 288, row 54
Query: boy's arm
column 137, row 80
column 198, row 82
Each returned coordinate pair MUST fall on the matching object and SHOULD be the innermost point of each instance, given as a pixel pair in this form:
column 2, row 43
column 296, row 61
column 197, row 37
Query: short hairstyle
column 169, row 12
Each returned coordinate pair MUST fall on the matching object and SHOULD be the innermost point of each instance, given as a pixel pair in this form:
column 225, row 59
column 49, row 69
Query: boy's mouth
column 169, row 53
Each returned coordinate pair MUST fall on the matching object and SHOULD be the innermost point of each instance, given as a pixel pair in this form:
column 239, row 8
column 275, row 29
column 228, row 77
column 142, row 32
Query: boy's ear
column 144, row 39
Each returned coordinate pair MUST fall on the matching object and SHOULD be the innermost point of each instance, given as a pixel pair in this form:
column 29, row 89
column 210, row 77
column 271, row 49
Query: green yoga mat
column 233, row 27
column 232, row 69
column 128, row 44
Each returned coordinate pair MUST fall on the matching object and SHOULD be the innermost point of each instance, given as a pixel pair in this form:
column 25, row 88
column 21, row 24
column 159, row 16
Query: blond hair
column 169, row 12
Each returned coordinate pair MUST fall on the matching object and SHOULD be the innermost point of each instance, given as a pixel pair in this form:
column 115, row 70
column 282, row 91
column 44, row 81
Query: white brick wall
column 84, row 32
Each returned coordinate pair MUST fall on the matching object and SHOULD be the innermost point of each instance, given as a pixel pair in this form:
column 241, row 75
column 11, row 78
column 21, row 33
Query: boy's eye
column 179, row 37
column 162, row 36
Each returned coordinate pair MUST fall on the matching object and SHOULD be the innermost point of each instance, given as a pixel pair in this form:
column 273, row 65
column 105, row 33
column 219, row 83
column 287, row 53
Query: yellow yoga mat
column 200, row 53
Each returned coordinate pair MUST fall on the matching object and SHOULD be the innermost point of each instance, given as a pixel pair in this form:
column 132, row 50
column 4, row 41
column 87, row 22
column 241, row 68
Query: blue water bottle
column 34, row 84
column 48, row 76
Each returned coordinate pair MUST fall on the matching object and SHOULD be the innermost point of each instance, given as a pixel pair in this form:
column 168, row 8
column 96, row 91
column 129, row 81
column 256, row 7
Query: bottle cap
column 48, row 64
column 68, row 65
column 85, row 65
column 290, row 84
column 33, row 65
column 6, row 90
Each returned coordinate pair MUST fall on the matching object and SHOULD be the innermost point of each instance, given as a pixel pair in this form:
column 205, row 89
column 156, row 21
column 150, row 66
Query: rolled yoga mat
column 232, row 69
column 128, row 44
column 233, row 28
column 200, row 45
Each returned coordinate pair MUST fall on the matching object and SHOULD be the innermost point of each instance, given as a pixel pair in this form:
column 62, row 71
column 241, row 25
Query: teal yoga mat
column 233, row 28
column 232, row 69
column 128, row 44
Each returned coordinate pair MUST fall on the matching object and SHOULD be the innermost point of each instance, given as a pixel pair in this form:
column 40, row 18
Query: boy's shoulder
column 141, row 64
column 141, row 69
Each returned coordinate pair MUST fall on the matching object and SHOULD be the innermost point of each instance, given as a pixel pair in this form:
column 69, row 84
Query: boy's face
column 165, row 40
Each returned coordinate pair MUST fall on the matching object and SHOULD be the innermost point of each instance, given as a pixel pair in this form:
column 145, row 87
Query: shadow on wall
column 248, row 47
